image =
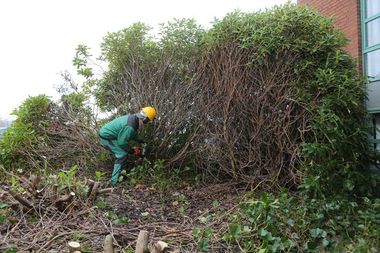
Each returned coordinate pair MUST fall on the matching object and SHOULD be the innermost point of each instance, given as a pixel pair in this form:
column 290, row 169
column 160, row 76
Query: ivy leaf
column 316, row 232
column 3, row 205
column 235, row 231
column 122, row 220
column 263, row 232
column 290, row 222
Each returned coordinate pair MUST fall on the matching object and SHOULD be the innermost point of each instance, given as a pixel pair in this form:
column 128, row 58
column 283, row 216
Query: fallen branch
column 66, row 198
column 35, row 180
column 21, row 199
column 90, row 186
column 54, row 194
column 93, row 193
column 59, row 203
column 106, row 190
column 53, row 239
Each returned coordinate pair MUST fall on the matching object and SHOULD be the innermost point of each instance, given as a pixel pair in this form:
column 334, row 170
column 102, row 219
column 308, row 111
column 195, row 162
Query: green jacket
column 122, row 130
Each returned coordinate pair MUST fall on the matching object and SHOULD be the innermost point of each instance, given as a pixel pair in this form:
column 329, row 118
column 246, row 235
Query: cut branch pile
column 53, row 218
column 47, row 197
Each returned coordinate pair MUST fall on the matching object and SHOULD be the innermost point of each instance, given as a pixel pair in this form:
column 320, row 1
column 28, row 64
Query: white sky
column 39, row 37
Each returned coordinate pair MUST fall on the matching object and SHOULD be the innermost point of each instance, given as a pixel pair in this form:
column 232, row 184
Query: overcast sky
column 39, row 37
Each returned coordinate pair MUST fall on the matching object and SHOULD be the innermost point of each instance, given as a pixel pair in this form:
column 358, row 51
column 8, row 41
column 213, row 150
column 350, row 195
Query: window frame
column 365, row 48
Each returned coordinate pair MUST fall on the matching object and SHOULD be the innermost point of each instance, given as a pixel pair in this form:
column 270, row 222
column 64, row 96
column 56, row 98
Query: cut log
column 74, row 247
column 35, row 180
column 90, row 186
column 93, row 193
column 159, row 247
column 142, row 242
column 15, row 206
column 66, row 198
column 21, row 199
column 38, row 193
column 26, row 184
column 106, row 190
column 62, row 202
column 54, row 194
column 108, row 244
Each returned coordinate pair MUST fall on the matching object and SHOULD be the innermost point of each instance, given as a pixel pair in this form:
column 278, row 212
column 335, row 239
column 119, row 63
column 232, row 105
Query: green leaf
column 215, row 202
column 121, row 220
column 290, row 222
column 3, row 205
column 3, row 218
column 235, row 231
column 263, row 232
column 317, row 232
column 203, row 245
column 11, row 250
column 196, row 233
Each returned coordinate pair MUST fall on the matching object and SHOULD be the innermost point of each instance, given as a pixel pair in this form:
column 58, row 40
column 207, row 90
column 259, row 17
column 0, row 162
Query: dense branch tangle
column 252, row 125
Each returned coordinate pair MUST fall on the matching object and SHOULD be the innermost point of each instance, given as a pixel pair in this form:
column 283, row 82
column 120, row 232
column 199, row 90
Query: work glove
column 138, row 151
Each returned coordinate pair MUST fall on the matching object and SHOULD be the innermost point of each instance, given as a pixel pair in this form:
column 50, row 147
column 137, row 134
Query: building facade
column 359, row 20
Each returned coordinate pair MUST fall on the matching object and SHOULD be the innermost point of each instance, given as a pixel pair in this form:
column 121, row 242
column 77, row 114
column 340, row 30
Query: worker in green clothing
column 116, row 135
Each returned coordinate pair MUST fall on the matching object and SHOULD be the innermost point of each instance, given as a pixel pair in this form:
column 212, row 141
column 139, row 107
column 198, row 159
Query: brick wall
column 347, row 18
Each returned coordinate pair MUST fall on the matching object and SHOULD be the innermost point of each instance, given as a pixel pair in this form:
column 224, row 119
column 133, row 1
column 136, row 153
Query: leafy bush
column 283, row 223
column 51, row 135
column 27, row 133
column 147, row 70
column 282, row 102
column 260, row 96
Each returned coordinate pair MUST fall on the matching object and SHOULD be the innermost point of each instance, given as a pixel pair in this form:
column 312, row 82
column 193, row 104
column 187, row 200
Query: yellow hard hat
column 150, row 112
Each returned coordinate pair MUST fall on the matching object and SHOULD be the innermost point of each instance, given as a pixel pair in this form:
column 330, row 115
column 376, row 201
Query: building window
column 372, row 61
column 370, row 17
column 372, row 7
column 376, row 131
column 373, row 33
column 371, row 38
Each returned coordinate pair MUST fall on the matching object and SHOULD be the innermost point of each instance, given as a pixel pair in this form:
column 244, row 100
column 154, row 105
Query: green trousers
column 121, row 158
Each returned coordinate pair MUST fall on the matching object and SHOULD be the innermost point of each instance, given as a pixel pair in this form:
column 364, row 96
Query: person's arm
column 138, row 138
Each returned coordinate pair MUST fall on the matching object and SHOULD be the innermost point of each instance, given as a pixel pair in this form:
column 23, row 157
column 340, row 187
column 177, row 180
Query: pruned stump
column 74, row 247
column 159, row 247
column 142, row 242
column 108, row 244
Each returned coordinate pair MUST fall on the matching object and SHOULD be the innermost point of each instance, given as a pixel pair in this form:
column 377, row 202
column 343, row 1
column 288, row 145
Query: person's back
column 111, row 129
column 120, row 131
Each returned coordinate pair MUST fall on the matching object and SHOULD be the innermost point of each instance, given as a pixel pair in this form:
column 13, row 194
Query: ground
column 169, row 216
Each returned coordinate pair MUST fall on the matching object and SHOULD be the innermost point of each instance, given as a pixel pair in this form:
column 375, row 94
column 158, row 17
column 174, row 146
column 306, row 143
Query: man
column 116, row 135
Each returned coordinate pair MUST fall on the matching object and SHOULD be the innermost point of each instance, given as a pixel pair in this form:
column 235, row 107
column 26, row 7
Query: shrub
column 283, row 223
column 267, row 96
column 26, row 133
column 51, row 135
column 282, row 102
